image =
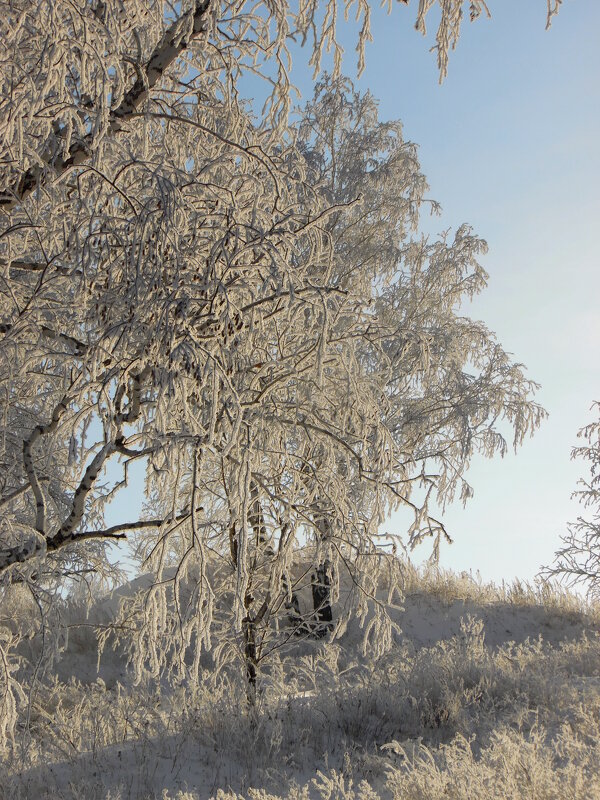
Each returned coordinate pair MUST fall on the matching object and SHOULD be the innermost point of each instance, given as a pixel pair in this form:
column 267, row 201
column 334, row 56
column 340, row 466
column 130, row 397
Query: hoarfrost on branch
column 240, row 303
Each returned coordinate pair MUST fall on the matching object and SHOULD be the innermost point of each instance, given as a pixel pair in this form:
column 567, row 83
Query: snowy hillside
column 486, row 693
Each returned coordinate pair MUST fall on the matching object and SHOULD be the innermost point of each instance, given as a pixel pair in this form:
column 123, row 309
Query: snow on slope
column 486, row 690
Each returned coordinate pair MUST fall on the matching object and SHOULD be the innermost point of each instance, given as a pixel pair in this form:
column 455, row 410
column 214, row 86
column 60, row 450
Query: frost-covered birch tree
column 229, row 299
column 578, row 560
column 353, row 387
column 100, row 105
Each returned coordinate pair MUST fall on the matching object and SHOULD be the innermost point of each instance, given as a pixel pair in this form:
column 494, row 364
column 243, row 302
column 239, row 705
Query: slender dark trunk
column 250, row 658
column 248, row 627
column 321, row 592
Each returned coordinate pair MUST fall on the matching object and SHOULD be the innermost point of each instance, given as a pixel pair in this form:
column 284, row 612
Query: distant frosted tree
column 578, row 560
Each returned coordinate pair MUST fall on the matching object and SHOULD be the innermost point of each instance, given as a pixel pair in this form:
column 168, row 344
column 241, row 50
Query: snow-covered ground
column 487, row 693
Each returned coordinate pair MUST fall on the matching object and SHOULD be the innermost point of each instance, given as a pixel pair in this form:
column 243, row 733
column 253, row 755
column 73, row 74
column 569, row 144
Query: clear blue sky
column 510, row 144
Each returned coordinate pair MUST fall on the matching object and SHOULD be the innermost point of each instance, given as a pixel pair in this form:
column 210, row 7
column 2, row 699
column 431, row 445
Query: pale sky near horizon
column 509, row 143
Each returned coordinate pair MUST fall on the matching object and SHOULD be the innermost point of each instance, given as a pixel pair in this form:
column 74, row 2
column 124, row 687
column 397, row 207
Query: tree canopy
column 240, row 302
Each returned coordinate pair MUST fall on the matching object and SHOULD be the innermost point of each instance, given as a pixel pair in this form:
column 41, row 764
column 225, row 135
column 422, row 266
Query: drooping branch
column 553, row 9
column 174, row 41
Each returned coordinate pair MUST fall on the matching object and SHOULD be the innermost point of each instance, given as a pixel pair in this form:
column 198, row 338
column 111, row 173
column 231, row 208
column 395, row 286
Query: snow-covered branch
column 52, row 161
column 118, row 531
